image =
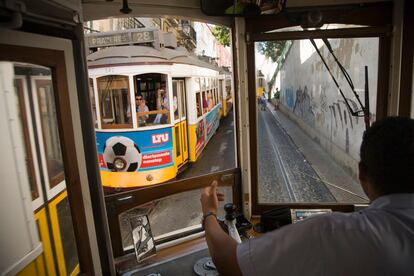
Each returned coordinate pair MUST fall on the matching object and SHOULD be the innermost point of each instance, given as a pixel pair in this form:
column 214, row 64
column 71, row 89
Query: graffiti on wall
column 335, row 118
column 303, row 106
column 289, row 99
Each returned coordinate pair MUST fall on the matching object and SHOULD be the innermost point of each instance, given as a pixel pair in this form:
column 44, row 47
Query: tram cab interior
column 56, row 217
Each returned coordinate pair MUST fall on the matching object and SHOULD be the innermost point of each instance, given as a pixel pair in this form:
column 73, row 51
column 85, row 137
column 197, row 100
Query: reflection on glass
column 171, row 215
column 20, row 95
column 114, row 99
column 304, row 102
column 92, row 98
column 48, row 117
column 67, row 235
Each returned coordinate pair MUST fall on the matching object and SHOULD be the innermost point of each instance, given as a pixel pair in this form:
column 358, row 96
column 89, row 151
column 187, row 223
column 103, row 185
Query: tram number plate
column 141, row 37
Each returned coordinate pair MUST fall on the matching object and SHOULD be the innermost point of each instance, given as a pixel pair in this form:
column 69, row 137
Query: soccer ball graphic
column 121, row 154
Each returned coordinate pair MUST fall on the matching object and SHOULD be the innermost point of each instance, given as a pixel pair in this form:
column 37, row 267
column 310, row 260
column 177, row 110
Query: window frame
column 258, row 30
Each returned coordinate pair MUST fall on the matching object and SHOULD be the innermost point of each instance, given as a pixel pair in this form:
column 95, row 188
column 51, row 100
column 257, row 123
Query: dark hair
column 387, row 154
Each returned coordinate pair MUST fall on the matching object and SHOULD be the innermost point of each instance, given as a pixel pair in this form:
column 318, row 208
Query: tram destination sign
column 120, row 38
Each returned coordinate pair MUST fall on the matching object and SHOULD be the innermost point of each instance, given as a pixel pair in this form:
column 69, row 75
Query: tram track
column 282, row 165
column 278, row 175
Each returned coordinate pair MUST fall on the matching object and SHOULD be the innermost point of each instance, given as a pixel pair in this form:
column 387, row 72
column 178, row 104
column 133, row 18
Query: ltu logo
column 160, row 138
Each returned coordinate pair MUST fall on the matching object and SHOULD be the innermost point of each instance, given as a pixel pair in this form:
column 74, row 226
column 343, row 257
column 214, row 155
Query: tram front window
column 114, row 102
column 310, row 132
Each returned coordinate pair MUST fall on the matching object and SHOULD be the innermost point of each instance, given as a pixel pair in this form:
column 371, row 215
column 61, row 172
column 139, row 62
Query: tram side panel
column 201, row 125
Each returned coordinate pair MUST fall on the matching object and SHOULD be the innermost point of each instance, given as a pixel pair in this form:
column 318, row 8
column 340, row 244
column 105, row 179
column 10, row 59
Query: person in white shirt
column 379, row 240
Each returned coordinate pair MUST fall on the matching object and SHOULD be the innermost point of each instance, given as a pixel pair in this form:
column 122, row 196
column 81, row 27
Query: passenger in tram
column 205, row 104
column 162, row 104
column 210, row 103
column 140, row 108
column 379, row 240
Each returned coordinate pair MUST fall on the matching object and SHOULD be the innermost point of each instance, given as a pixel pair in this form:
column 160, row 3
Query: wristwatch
column 206, row 216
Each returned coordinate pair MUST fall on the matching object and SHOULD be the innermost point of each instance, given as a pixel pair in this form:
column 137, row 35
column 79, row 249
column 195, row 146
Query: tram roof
column 144, row 54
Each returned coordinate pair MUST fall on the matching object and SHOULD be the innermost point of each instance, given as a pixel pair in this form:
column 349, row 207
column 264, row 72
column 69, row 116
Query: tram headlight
column 150, row 177
column 119, row 164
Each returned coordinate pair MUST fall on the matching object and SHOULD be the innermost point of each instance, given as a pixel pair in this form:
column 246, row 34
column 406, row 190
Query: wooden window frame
column 55, row 60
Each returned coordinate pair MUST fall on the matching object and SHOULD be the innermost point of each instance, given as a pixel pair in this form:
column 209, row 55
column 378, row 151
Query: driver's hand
column 210, row 198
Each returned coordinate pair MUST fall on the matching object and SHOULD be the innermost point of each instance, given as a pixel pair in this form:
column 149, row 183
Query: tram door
column 34, row 91
column 180, row 122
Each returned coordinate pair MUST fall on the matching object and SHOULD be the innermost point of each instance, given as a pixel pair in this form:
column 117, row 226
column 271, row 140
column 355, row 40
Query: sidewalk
column 344, row 188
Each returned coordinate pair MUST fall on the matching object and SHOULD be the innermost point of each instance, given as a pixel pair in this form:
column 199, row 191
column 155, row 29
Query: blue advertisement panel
column 212, row 122
column 130, row 151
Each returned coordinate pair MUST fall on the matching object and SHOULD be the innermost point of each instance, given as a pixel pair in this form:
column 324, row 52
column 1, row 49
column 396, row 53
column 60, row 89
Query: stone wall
column 310, row 97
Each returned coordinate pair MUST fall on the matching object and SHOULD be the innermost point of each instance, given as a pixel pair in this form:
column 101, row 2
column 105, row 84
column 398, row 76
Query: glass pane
column 175, row 93
column 92, row 97
column 308, row 138
column 205, row 102
column 48, row 117
column 167, row 215
column 183, row 99
column 177, row 141
column 114, row 99
column 23, row 110
column 198, row 99
column 67, row 235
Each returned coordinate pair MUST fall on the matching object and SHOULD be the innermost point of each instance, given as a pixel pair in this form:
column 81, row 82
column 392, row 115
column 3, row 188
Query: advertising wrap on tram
column 151, row 149
column 212, row 122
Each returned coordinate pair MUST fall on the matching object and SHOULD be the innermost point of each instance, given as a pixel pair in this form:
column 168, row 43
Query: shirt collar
column 394, row 201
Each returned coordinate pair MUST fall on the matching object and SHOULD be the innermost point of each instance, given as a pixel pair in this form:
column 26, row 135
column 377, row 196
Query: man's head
column 139, row 99
column 387, row 157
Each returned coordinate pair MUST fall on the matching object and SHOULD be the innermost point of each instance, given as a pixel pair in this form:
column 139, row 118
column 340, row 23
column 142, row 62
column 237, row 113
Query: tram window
column 199, row 105
column 206, row 140
column 205, row 102
column 23, row 109
column 183, row 99
column 177, row 141
column 291, row 167
column 175, row 92
column 93, row 104
column 47, row 110
column 113, row 92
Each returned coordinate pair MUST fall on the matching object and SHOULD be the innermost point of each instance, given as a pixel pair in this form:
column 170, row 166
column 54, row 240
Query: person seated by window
column 162, row 104
column 205, row 104
column 141, row 107
column 210, row 101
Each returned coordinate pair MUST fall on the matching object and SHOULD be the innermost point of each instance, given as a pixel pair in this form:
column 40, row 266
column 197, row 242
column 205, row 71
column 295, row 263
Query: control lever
column 230, row 221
